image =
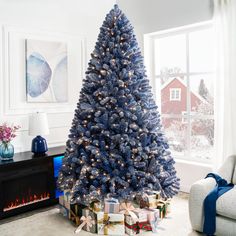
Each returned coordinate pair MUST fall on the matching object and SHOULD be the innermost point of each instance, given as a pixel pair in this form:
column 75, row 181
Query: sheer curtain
column 225, row 90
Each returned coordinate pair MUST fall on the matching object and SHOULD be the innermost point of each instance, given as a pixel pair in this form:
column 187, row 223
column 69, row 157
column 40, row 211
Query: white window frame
column 149, row 60
column 176, row 91
column 184, row 117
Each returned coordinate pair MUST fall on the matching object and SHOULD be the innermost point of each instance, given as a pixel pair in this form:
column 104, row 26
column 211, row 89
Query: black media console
column 29, row 182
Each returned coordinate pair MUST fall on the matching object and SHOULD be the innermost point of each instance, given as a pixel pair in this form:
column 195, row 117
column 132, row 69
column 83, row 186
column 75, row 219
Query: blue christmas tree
column 116, row 144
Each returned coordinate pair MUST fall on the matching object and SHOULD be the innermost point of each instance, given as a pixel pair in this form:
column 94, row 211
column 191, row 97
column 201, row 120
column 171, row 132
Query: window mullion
column 188, row 97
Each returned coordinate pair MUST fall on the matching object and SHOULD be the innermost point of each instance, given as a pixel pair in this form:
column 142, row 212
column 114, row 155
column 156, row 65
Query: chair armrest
column 198, row 193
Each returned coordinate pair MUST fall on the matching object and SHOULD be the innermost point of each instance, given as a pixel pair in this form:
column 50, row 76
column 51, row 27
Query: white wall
column 154, row 15
column 84, row 18
column 68, row 17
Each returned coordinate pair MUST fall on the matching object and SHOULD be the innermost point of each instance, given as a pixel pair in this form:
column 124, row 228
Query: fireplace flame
column 27, row 200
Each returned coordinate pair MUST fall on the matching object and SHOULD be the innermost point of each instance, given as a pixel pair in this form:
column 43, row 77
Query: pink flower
column 7, row 132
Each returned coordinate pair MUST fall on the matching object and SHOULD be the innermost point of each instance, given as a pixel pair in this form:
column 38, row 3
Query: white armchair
column 225, row 205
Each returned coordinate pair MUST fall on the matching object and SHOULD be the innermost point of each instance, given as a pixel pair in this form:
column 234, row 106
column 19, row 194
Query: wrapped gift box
column 141, row 215
column 148, row 203
column 67, row 198
column 110, row 224
column 127, row 208
column 112, row 205
column 75, row 215
column 77, row 208
column 161, row 206
column 64, row 208
column 65, row 212
column 168, row 206
column 76, row 212
column 92, row 227
column 96, row 206
column 153, row 218
column 61, row 200
column 133, row 226
column 148, row 200
column 164, row 207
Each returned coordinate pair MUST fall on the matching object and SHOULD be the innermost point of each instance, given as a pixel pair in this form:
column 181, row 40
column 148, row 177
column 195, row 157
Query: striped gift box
column 112, row 205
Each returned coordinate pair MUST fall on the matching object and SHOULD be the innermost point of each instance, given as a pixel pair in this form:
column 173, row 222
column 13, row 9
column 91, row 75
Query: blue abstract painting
column 46, row 71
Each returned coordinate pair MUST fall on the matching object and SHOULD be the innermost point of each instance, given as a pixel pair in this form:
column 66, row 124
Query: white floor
column 48, row 222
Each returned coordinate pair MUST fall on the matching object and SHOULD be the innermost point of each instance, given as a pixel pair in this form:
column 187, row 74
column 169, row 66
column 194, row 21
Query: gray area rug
column 48, row 222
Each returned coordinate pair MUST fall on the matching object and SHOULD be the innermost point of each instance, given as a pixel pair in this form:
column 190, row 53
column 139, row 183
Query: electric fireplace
column 28, row 182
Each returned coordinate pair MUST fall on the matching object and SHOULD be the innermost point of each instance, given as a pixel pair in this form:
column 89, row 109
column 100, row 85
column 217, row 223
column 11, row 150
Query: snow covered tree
column 202, row 89
column 116, row 145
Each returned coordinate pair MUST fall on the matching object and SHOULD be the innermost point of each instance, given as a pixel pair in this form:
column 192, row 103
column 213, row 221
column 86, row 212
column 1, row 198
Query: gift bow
column 127, row 208
column 107, row 223
column 88, row 221
column 134, row 227
column 95, row 206
column 144, row 225
column 138, row 226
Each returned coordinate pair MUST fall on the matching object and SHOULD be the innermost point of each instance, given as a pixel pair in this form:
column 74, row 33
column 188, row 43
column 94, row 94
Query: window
column 175, row 94
column 182, row 67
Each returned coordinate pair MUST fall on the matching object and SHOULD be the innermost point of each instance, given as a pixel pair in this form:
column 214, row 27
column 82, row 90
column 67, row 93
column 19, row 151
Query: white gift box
column 110, row 224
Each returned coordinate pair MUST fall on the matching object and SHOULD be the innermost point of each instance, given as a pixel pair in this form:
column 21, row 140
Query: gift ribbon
column 167, row 203
column 88, row 221
column 161, row 205
column 74, row 217
column 127, row 208
column 144, row 225
column 107, row 223
column 67, row 195
column 134, row 227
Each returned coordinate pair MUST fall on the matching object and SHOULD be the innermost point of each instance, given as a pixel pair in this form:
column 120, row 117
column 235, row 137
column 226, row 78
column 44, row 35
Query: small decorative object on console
column 38, row 125
column 7, row 133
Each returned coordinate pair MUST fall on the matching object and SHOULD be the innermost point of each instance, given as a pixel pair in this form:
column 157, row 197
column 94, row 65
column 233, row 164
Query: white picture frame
column 46, row 71
column 14, row 70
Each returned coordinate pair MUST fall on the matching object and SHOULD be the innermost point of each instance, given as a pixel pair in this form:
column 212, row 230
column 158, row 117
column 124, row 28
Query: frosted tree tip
column 116, row 6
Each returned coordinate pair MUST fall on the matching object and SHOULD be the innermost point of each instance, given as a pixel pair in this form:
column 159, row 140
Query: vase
column 6, row 151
